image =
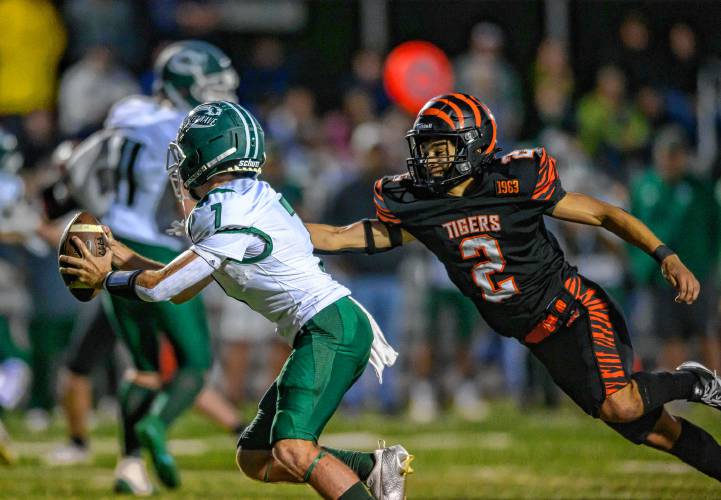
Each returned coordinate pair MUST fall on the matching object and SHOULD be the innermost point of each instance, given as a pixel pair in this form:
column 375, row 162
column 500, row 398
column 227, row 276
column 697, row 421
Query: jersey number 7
column 472, row 248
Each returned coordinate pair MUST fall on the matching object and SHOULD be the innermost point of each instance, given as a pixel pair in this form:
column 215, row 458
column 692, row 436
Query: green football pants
column 329, row 354
column 184, row 325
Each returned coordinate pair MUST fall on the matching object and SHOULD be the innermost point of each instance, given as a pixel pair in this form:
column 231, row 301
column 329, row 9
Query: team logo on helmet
column 203, row 116
column 192, row 72
column 188, row 62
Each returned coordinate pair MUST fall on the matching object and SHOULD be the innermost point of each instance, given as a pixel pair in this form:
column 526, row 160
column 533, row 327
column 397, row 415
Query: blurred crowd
column 629, row 139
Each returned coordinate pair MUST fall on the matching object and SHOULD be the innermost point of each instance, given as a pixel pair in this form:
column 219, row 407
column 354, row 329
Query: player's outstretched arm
column 584, row 209
column 364, row 236
column 177, row 281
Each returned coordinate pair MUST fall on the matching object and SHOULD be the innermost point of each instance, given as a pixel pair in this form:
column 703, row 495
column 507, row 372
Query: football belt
column 563, row 310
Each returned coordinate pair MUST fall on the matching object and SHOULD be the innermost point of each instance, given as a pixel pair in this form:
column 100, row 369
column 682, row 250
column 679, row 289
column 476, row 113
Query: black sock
column 238, row 429
column 79, row 441
column 356, row 492
column 699, row 449
column 657, row 389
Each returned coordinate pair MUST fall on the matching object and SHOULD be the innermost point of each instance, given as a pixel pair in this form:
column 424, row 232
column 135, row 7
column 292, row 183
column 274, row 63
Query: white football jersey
column 262, row 253
column 144, row 204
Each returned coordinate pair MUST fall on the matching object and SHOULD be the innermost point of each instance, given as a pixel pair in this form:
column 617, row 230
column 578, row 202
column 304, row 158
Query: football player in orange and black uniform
column 483, row 216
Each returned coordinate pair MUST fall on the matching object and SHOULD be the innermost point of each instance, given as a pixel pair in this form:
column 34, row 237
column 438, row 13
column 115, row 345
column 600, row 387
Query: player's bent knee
column 638, row 430
column 621, row 407
column 252, row 463
column 294, row 454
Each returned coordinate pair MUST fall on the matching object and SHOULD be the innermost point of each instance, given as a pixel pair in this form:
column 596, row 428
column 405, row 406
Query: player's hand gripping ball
column 83, row 229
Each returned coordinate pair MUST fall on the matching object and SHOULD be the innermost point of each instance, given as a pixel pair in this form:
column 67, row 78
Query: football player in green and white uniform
column 17, row 225
column 134, row 143
column 248, row 238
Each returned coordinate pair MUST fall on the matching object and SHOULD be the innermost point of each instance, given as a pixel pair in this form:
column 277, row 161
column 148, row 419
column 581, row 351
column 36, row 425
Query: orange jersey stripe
column 603, row 336
column 380, row 208
column 386, row 218
column 378, row 196
column 547, row 176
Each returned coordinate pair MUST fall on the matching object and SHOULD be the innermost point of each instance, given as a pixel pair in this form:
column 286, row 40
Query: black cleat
column 708, row 388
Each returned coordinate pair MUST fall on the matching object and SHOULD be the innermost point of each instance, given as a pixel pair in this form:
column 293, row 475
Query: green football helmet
column 11, row 159
column 192, row 72
column 214, row 138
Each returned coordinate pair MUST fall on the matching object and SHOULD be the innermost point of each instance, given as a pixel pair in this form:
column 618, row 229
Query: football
column 86, row 227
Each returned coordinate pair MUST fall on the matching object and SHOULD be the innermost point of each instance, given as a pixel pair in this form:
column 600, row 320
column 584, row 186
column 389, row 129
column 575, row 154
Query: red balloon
column 414, row 72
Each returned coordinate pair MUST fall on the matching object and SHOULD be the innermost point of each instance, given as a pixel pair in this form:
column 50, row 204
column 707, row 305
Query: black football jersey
column 492, row 240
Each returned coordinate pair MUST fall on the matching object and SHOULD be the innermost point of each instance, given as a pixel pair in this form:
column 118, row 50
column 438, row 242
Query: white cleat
column 387, row 480
column 423, row 405
column 67, row 454
column 708, row 388
column 469, row 404
column 37, row 420
column 131, row 477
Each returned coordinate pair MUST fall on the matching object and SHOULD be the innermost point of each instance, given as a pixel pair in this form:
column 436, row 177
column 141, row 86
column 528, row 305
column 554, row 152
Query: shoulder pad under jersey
column 390, row 194
column 536, row 171
column 220, row 209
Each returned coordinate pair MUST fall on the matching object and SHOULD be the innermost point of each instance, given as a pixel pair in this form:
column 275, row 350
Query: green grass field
column 534, row 454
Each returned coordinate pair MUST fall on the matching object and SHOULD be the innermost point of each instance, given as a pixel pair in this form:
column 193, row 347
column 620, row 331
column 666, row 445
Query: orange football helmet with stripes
column 462, row 118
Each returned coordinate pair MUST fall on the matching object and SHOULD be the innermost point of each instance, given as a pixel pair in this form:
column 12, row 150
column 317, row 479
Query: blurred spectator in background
column 610, row 127
column 267, row 77
column 14, row 370
column 681, row 79
column 89, row 88
column 484, row 72
column 358, row 107
column 683, row 211
column 634, row 54
column 197, row 18
column 373, row 280
column 396, row 124
column 275, row 174
column 367, row 74
column 651, row 104
column 297, row 135
column 450, row 319
column 683, row 62
column 553, row 85
column 31, row 45
column 109, row 23
column 294, row 122
column 551, row 67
